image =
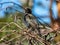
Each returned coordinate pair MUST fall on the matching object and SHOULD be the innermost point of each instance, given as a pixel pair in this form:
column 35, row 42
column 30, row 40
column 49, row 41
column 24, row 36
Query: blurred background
column 13, row 30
